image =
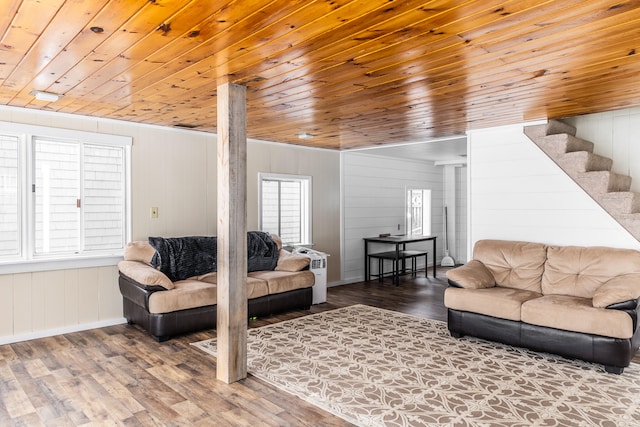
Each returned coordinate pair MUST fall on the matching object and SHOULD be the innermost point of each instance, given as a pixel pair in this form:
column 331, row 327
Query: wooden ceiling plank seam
column 6, row 19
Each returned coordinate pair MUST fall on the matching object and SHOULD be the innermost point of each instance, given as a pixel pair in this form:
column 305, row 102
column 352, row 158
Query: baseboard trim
column 9, row 339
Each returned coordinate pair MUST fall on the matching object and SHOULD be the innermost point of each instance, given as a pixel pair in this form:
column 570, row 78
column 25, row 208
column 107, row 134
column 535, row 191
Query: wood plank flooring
column 119, row 376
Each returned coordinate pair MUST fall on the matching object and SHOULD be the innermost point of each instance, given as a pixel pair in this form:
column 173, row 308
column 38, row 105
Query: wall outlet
column 154, row 212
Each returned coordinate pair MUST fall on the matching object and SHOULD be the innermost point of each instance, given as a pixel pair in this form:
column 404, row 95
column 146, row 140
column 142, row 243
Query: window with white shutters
column 61, row 195
column 285, row 207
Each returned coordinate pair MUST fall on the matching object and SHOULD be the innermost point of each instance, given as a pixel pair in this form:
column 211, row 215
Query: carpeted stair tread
column 565, row 143
column 552, row 127
column 556, row 126
column 622, row 202
column 583, row 161
column 601, row 182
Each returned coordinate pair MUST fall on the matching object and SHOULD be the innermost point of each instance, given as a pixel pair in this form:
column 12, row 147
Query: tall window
column 61, row 197
column 419, row 212
column 285, row 207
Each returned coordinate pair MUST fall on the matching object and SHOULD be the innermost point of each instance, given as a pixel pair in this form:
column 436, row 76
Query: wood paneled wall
column 41, row 303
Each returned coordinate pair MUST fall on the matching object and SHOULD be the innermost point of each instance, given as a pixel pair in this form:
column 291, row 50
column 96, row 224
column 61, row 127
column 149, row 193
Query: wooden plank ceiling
column 353, row 73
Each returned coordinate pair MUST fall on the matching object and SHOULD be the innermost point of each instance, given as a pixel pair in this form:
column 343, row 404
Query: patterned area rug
column 375, row 367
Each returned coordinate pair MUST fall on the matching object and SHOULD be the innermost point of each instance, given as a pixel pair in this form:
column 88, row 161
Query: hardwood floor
column 120, row 376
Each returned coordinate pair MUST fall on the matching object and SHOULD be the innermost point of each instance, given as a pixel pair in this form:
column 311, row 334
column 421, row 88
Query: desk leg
column 396, row 272
column 366, row 261
column 434, row 257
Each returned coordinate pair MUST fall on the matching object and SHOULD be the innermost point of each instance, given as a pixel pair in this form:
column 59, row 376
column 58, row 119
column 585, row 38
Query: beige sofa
column 578, row 302
column 166, row 308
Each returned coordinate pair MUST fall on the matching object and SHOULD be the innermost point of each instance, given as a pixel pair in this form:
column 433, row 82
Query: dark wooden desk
column 400, row 243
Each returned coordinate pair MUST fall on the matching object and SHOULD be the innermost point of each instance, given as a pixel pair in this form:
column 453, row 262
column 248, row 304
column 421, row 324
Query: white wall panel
column 88, row 295
column 6, row 305
column 71, row 297
column 517, row 193
column 22, row 303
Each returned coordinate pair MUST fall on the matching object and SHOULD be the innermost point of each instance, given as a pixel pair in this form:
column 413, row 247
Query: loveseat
column 577, row 302
column 169, row 286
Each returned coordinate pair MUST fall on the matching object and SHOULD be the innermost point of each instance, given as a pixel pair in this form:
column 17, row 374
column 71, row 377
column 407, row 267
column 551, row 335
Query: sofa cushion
column 188, row 293
column 577, row 314
column 277, row 240
column 472, row 275
column 619, row 289
column 517, row 265
column 580, row 271
column 144, row 274
column 291, row 262
column 500, row 302
column 283, row 281
column 255, row 287
column 139, row 251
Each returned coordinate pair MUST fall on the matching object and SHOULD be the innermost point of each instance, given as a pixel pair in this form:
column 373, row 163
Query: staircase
column 591, row 171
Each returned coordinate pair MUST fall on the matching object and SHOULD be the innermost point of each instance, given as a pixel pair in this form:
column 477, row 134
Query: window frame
column 27, row 260
column 426, row 222
column 306, row 220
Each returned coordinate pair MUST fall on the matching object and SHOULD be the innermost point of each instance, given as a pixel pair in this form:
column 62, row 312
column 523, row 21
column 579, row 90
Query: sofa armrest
column 617, row 290
column 144, row 274
column 472, row 275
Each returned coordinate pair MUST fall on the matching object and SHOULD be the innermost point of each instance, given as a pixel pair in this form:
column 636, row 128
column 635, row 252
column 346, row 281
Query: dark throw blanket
column 183, row 257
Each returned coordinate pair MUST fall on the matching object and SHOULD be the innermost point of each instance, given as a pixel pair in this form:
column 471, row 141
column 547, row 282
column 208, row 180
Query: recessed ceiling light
column 305, row 135
column 46, row 96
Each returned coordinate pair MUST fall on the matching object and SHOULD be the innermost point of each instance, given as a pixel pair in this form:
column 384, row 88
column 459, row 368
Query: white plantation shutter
column 9, row 197
column 284, row 207
column 103, row 201
column 57, row 190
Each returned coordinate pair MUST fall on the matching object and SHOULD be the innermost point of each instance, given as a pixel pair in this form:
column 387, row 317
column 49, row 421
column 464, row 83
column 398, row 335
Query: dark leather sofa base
column 615, row 354
column 166, row 325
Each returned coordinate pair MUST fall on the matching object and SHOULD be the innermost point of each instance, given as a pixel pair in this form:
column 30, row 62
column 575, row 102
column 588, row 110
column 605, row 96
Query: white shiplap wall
column 516, row 192
column 615, row 135
column 374, row 202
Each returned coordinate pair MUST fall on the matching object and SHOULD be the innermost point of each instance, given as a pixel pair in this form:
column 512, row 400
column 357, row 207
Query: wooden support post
column 232, row 233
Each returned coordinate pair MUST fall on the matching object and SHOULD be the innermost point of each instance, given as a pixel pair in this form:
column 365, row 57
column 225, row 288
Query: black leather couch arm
column 631, row 307
column 137, row 293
